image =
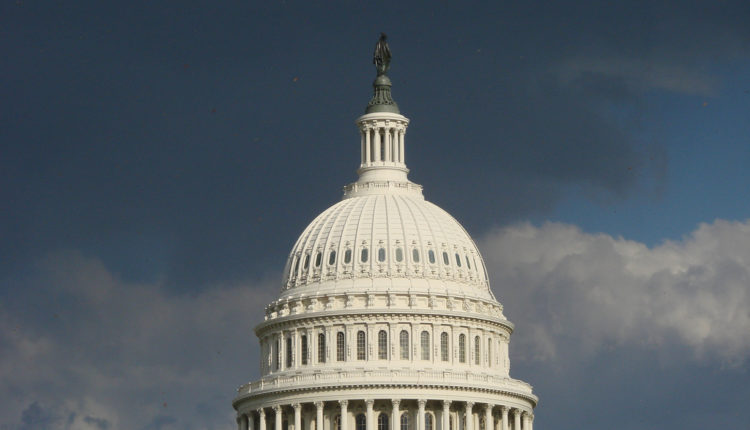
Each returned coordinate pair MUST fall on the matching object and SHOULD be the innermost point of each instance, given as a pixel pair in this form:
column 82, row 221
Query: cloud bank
column 575, row 293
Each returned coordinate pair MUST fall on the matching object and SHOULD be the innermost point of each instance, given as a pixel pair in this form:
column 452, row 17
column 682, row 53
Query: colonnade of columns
column 382, row 144
column 521, row 419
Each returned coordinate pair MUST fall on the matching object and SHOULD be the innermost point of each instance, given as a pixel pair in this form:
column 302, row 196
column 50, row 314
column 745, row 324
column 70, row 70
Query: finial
column 381, row 100
column 382, row 56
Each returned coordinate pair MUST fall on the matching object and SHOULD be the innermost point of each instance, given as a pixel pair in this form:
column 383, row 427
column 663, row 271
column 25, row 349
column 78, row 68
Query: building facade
column 386, row 319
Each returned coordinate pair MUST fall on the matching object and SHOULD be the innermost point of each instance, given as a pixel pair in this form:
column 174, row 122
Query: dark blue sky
column 181, row 147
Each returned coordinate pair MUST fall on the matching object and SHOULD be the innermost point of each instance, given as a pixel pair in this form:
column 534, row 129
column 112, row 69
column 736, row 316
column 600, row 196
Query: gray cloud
column 570, row 289
column 83, row 349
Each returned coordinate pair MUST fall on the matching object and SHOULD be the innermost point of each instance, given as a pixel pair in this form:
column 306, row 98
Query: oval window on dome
column 446, row 260
column 458, row 260
column 318, row 259
column 348, row 256
column 431, row 256
column 381, row 255
column 468, row 264
column 332, row 258
column 307, row 262
column 399, row 255
column 364, row 255
column 415, row 255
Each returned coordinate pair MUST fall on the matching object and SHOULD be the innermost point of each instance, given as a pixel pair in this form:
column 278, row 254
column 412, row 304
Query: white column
column 368, row 150
column 387, row 141
column 504, row 410
column 469, row 416
column 489, row 423
column 297, row 416
column 446, row 414
column 377, row 145
column 250, row 421
column 262, row 415
column 344, row 414
column 531, row 422
column 240, row 422
column 395, row 416
column 279, row 417
column 420, row 418
column 516, row 419
column 362, row 145
column 401, row 145
column 319, row 416
column 369, row 403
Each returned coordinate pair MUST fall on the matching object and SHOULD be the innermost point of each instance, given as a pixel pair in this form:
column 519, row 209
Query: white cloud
column 83, row 349
column 573, row 291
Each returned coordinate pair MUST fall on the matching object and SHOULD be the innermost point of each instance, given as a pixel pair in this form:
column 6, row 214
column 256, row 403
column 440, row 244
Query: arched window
column 482, row 424
column 405, row 421
column 444, row 346
column 331, row 258
column 361, row 422
column 477, row 352
column 318, row 259
column 303, row 348
column 424, row 340
column 403, row 340
column 307, row 262
column 383, row 421
column 340, row 351
column 337, row 422
column 383, row 345
column 289, row 352
column 361, row 344
column 296, row 266
column 462, row 348
column 427, row 421
column 321, row 348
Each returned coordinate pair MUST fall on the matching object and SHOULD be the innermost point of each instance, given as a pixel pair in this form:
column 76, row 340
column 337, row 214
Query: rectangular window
column 382, row 345
column 425, row 345
column 361, row 345
column 321, row 348
column 404, row 344
column 303, row 347
column 340, row 347
column 444, row 346
column 289, row 352
column 462, row 348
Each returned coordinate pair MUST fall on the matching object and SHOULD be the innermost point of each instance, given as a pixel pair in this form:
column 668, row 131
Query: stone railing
column 338, row 378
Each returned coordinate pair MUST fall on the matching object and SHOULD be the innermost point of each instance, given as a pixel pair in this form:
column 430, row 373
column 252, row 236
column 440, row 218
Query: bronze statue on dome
column 382, row 56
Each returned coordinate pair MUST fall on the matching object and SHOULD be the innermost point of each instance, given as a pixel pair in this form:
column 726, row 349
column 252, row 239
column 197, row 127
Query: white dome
column 387, row 233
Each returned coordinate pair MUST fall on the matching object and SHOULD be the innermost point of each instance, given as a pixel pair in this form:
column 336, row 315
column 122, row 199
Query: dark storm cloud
column 196, row 142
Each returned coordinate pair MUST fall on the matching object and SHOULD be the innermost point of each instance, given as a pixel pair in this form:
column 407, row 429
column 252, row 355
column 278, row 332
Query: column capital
column 489, row 406
column 469, row 405
column 262, row 412
column 504, row 409
column 343, row 403
column 296, row 406
column 421, row 403
column 446, row 403
column 396, row 402
column 277, row 408
column 517, row 411
column 369, row 402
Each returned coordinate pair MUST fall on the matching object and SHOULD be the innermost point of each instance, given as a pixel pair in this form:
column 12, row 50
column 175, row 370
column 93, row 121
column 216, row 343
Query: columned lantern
column 386, row 319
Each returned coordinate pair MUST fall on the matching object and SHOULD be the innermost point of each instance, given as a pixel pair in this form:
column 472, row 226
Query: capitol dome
column 386, row 319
